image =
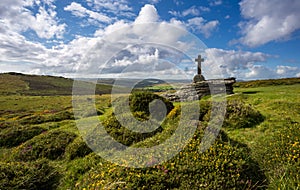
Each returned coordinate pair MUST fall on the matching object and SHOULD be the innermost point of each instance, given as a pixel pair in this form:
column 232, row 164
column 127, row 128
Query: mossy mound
column 77, row 149
column 49, row 145
column 238, row 115
column 16, row 135
column 119, row 132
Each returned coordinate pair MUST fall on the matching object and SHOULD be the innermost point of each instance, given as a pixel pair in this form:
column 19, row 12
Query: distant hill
column 17, row 83
column 139, row 83
column 268, row 82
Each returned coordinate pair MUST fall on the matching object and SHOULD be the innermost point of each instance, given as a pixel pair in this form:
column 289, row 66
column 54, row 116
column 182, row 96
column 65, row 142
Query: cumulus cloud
column 80, row 11
column 199, row 24
column 147, row 14
column 268, row 21
column 243, row 65
column 232, row 63
column 14, row 47
column 15, row 15
column 287, row 71
column 120, row 46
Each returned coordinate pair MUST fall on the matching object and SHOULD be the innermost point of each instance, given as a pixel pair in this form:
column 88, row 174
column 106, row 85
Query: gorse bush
column 238, row 115
column 22, row 175
column 49, row 145
column 77, row 149
column 119, row 132
column 139, row 101
column 45, row 117
column 15, row 135
column 225, row 165
column 241, row 115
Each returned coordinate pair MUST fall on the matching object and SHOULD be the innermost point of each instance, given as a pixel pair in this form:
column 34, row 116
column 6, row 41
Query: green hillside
column 268, row 82
column 17, row 83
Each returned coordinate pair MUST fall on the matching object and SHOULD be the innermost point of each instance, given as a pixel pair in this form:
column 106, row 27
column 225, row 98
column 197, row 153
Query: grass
column 274, row 142
column 258, row 147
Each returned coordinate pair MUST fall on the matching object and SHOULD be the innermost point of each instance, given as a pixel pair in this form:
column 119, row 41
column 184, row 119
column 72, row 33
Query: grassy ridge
column 36, row 85
column 269, row 82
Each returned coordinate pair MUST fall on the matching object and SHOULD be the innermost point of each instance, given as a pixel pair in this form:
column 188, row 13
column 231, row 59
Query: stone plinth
column 200, row 88
column 198, row 78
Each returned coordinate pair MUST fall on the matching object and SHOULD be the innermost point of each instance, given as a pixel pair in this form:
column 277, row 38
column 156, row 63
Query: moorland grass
column 263, row 155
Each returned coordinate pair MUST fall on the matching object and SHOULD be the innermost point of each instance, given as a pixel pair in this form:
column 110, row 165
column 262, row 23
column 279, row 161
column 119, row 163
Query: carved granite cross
column 199, row 60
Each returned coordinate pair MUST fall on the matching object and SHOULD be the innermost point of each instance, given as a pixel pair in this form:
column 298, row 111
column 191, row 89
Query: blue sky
column 248, row 39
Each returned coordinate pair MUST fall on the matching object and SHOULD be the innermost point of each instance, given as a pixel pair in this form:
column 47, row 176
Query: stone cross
column 199, row 60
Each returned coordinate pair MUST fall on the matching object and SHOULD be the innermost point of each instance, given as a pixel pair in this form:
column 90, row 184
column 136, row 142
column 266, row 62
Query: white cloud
column 122, row 44
column 232, row 63
column 147, row 14
column 193, row 11
column 260, row 72
column 153, row 1
column 117, row 7
column 243, row 65
column 268, row 21
column 198, row 24
column 80, row 11
column 14, row 47
column 287, row 70
column 215, row 2
column 17, row 17
column 45, row 24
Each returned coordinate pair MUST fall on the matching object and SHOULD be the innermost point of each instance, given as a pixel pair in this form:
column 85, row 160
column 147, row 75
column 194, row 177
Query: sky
column 247, row 39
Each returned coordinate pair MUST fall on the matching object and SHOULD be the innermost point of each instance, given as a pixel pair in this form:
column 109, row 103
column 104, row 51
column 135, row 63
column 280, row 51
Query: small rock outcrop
column 200, row 88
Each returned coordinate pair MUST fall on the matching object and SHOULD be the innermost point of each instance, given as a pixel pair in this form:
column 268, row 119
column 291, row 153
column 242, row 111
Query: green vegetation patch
column 49, row 145
column 23, row 175
column 47, row 116
column 119, row 133
column 11, row 84
column 279, row 155
column 225, row 165
column 241, row 115
column 269, row 82
column 140, row 102
column 77, row 149
column 15, row 135
column 37, row 85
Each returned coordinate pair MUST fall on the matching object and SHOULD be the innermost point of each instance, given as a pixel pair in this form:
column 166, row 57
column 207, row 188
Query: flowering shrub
column 226, row 165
